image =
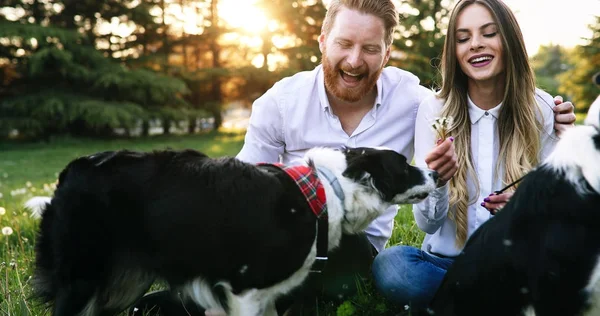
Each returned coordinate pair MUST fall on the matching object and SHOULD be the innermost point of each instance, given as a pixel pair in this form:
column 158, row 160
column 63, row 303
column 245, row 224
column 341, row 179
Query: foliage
column 67, row 86
column 420, row 38
column 300, row 20
column 577, row 83
column 548, row 63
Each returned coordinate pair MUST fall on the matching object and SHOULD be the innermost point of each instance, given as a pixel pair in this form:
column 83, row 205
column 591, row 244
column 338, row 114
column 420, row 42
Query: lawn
column 31, row 169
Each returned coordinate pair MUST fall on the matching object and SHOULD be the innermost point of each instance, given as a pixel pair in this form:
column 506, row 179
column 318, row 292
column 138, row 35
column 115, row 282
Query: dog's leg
column 247, row 303
column 77, row 300
column 254, row 303
column 270, row 309
column 216, row 299
column 124, row 292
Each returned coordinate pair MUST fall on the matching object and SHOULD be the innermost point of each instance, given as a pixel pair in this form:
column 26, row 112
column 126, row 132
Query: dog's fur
column 540, row 254
column 210, row 228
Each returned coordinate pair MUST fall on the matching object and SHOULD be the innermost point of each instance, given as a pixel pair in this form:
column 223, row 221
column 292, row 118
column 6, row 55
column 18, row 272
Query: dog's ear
column 367, row 169
column 357, row 165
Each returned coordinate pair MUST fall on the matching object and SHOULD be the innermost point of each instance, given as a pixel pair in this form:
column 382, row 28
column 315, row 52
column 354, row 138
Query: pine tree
column 420, row 38
column 64, row 85
column 576, row 84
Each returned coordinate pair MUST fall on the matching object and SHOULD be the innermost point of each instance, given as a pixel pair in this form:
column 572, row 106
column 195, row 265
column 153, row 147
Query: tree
column 300, row 22
column 577, row 83
column 66, row 86
column 549, row 62
column 420, row 39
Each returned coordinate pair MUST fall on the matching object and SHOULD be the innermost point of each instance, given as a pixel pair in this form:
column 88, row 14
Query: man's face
column 354, row 54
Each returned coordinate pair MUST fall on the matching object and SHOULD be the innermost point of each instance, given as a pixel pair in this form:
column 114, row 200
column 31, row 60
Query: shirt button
column 487, row 113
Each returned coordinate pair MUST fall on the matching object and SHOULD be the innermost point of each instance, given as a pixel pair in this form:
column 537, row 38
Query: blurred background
column 109, row 68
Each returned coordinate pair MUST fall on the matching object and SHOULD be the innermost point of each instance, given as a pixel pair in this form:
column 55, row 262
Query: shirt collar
column 323, row 95
column 476, row 113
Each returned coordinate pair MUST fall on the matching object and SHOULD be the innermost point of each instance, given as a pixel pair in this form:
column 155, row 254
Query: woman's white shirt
column 431, row 215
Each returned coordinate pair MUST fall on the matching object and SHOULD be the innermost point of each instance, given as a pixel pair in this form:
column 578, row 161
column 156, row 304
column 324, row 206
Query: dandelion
column 2, row 210
column 441, row 126
column 7, row 231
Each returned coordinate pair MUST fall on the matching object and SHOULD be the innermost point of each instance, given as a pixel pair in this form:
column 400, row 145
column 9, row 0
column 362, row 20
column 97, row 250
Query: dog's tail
column 61, row 250
column 36, row 205
column 44, row 281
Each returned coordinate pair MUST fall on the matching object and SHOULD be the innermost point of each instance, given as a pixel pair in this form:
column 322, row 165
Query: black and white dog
column 540, row 255
column 211, row 228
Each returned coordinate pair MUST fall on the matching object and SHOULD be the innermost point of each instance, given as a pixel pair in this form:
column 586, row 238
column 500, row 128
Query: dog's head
column 577, row 155
column 372, row 179
column 389, row 174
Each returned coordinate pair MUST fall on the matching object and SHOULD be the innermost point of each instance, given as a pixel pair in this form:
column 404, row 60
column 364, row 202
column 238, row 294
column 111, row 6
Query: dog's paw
column 215, row 312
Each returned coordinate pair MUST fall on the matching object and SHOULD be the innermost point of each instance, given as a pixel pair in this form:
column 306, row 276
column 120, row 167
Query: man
column 350, row 100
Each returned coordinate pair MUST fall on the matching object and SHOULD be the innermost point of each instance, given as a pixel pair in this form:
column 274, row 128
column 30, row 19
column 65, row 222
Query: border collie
column 540, row 254
column 230, row 236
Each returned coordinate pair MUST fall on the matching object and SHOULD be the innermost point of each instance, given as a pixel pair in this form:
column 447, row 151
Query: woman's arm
column 432, row 212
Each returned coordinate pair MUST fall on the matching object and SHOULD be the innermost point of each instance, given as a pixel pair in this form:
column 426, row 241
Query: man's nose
column 355, row 58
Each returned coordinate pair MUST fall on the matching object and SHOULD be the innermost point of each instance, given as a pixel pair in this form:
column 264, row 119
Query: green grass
column 31, row 169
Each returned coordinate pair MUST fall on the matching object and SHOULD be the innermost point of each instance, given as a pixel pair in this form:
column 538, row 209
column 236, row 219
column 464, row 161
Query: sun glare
column 243, row 14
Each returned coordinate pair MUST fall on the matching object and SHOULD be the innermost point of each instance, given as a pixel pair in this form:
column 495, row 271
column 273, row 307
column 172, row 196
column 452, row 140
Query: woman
column 502, row 127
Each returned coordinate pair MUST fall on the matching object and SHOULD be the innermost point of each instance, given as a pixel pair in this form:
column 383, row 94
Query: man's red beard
column 333, row 75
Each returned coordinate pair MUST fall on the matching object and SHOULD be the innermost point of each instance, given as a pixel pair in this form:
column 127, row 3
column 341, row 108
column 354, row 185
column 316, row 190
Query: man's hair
column 383, row 9
column 518, row 128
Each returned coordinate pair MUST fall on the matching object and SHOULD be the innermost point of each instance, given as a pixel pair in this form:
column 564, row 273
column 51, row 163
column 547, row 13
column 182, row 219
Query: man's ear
column 388, row 53
column 321, row 41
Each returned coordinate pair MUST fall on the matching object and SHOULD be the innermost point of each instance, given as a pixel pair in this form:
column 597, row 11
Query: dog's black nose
column 434, row 175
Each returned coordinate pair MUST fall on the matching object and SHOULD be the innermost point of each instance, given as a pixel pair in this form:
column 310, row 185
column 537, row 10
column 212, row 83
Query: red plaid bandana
column 309, row 184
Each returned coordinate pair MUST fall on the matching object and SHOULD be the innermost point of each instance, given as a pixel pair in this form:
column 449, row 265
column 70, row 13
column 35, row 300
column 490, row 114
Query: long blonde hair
column 518, row 127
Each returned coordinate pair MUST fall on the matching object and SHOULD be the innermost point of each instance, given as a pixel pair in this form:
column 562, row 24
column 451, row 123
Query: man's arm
column 564, row 115
column 264, row 140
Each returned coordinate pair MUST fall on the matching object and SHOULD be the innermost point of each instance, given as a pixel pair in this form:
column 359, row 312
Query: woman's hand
column 495, row 202
column 443, row 159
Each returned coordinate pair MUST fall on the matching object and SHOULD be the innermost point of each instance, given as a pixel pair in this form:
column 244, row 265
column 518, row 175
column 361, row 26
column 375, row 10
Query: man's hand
column 495, row 202
column 443, row 159
column 564, row 115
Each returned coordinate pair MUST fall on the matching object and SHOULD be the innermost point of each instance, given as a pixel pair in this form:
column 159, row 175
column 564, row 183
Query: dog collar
column 333, row 181
column 312, row 189
column 310, row 186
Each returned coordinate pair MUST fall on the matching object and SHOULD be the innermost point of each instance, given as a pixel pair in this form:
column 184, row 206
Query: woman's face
column 479, row 45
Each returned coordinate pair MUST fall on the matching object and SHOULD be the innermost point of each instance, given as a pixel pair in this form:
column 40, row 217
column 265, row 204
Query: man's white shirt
column 294, row 116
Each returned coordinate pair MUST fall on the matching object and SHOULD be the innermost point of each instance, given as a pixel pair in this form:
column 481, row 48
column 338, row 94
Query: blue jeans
column 409, row 276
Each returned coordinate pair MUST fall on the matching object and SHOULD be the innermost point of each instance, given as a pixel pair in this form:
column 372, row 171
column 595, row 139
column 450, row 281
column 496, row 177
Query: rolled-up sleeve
column 431, row 213
column 548, row 137
column 264, row 140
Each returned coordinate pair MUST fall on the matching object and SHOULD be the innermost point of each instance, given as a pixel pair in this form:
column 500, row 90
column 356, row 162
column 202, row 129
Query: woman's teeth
column 480, row 59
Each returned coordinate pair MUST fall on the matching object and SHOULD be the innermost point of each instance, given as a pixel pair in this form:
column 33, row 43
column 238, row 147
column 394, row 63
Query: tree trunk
column 165, row 39
column 166, row 124
column 192, row 125
column 146, row 128
column 216, row 94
